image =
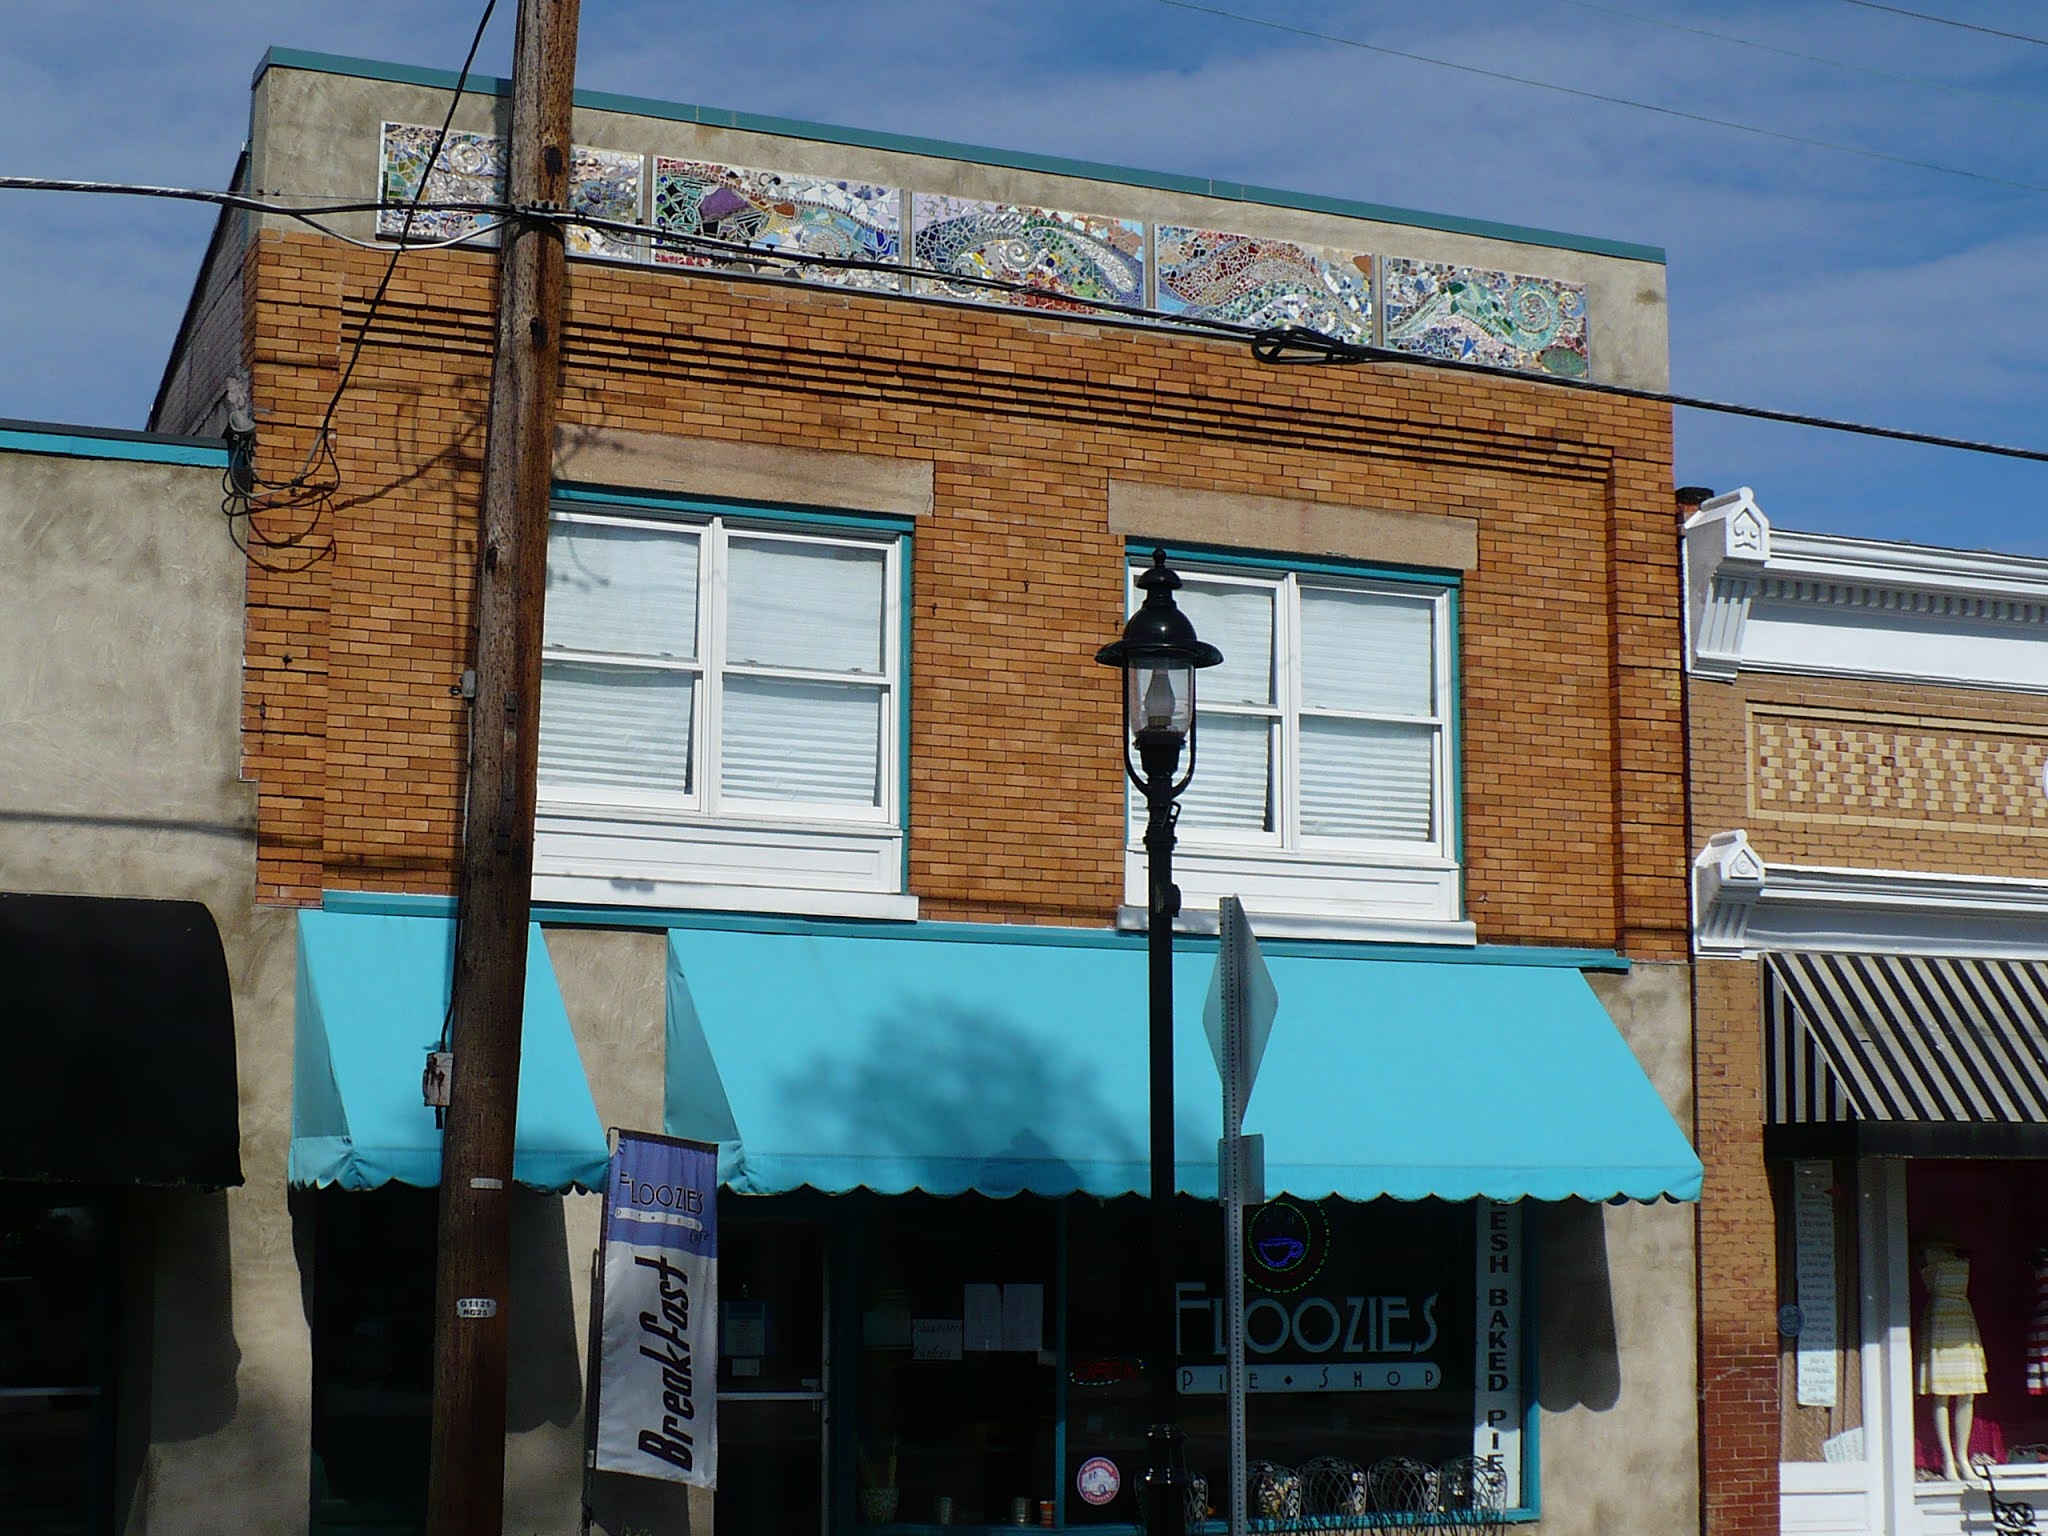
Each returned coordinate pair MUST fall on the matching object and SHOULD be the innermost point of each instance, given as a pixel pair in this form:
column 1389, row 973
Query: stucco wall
column 1617, row 1333
column 120, row 705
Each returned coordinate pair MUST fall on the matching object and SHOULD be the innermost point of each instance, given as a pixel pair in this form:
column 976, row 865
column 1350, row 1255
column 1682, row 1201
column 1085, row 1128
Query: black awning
column 117, row 1043
column 1905, row 1056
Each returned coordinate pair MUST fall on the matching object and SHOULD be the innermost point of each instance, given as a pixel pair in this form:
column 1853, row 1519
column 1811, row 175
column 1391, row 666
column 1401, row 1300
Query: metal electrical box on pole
column 1238, row 1019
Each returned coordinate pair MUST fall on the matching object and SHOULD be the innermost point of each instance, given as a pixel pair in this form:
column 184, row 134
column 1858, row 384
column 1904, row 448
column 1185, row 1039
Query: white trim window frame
column 706, row 755
column 1324, row 747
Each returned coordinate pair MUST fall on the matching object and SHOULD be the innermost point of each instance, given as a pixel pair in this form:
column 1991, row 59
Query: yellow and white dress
column 1951, row 1357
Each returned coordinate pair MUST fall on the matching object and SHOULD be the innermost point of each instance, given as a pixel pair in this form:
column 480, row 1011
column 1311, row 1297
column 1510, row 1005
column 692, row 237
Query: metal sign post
column 1238, row 1019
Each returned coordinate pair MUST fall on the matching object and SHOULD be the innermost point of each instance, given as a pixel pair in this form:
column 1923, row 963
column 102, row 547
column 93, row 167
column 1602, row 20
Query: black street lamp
column 1159, row 655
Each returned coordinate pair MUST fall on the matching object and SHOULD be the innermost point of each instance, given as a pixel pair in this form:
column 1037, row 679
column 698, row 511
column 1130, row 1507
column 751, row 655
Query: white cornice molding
column 1760, row 598
column 1727, row 546
column 1745, row 906
column 1909, row 575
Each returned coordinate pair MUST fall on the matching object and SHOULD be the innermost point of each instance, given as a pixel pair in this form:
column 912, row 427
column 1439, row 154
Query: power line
column 313, row 215
column 1926, row 82
column 1274, row 346
column 1298, row 344
column 320, row 438
column 1949, row 21
column 1617, row 101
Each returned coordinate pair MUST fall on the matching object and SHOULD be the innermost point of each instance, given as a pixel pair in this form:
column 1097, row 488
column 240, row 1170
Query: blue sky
column 1801, row 278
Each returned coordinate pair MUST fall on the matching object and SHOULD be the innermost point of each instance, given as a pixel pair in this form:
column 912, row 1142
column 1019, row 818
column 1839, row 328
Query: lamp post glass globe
column 1159, row 697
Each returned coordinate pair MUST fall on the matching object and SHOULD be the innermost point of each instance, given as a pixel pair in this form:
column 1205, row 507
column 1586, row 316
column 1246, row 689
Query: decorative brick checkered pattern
column 1897, row 772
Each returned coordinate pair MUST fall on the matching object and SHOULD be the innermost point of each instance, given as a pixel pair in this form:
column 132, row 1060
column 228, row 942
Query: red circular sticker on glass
column 1098, row 1480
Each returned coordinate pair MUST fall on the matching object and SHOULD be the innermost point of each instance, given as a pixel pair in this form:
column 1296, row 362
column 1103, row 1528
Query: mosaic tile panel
column 471, row 170
column 1470, row 315
column 1067, row 256
column 603, row 183
column 777, row 211
column 1252, row 280
column 1880, row 772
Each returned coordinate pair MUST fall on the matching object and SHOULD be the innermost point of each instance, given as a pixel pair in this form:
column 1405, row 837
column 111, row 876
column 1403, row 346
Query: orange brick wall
column 1571, row 724
column 1831, row 772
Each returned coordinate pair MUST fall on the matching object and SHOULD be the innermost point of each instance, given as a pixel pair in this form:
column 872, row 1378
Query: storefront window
column 957, row 1378
column 1977, row 1235
column 1363, row 1344
column 373, row 1358
column 771, row 1369
column 990, row 1365
column 56, row 1341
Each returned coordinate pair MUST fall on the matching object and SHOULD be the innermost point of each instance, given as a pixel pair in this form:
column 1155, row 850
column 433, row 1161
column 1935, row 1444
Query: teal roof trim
column 837, row 1063
column 372, row 994
column 1054, row 165
column 110, row 443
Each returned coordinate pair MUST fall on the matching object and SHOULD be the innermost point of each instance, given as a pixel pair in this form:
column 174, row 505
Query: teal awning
column 955, row 1064
column 372, row 994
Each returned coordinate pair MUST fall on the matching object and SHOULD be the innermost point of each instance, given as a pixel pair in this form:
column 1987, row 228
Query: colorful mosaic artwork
column 776, row 211
column 1069, row 256
column 603, row 184
column 1251, row 280
column 471, row 170
column 1470, row 315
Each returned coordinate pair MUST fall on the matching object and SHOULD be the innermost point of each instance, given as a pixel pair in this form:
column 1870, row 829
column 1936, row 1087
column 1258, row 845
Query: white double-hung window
column 1324, row 788
column 720, row 706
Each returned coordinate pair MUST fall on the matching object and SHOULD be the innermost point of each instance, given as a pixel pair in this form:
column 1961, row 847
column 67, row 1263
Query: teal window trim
column 905, row 699
column 750, row 514
column 1279, row 560
column 1449, row 583
column 766, row 513
column 1454, row 728
column 565, row 915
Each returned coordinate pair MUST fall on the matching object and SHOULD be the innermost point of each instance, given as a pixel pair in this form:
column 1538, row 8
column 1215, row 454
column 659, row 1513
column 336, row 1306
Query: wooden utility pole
column 466, row 1482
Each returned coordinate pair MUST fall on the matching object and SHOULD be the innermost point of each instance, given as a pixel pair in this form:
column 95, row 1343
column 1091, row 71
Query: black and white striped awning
column 1893, row 1055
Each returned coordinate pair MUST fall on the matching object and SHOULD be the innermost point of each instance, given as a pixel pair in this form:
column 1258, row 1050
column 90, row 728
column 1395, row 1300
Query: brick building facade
column 900, row 517
column 1868, row 733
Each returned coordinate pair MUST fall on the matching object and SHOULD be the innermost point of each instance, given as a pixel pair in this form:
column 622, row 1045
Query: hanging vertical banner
column 1497, row 1345
column 658, row 1355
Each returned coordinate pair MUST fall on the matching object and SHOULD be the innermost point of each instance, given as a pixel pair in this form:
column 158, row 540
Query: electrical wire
column 1269, row 344
column 1617, row 101
column 310, row 214
column 1298, row 344
column 1272, row 346
column 1924, row 82
column 1949, row 21
column 411, row 212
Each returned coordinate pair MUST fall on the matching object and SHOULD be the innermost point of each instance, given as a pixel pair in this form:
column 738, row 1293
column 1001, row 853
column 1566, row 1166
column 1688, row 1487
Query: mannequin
column 1951, row 1355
